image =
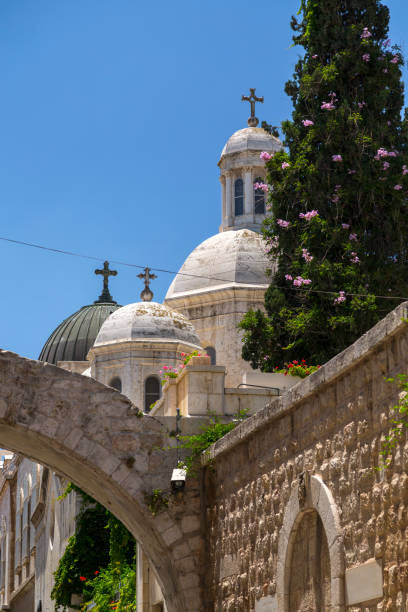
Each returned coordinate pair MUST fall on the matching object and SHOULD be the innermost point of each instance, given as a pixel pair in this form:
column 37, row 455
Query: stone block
column 364, row 583
column 267, row 604
column 229, row 566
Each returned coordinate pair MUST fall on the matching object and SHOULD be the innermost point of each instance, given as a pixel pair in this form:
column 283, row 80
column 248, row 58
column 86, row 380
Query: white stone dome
column 146, row 321
column 231, row 257
column 251, row 139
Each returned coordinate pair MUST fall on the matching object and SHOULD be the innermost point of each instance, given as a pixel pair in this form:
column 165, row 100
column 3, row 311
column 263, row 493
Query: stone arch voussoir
column 310, row 493
column 93, row 435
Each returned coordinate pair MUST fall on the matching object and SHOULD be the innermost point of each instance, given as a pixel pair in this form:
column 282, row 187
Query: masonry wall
column 330, row 427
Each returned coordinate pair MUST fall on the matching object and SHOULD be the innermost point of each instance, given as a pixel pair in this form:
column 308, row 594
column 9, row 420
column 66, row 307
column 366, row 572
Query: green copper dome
column 74, row 337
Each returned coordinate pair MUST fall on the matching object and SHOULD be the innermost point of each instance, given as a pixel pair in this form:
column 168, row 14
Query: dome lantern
column 241, row 167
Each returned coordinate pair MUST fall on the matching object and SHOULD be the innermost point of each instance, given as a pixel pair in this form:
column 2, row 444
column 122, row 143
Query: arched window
column 152, row 391
column 211, row 352
column 239, row 197
column 259, row 199
column 116, row 383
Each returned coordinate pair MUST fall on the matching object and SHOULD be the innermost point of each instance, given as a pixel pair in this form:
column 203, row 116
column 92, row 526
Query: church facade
column 126, row 347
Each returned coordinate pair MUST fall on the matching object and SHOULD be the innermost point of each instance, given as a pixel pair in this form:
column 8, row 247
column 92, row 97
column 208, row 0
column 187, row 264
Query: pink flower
column 328, row 106
column 266, row 156
column 353, row 237
column 307, row 122
column 366, row 57
column 351, row 171
column 345, row 225
column 354, row 258
column 366, row 33
column 307, row 256
column 386, row 165
column 387, row 42
column 362, row 105
column 309, row 215
column 274, row 242
column 314, row 56
column 341, row 297
column 395, row 59
column 389, row 123
column 397, row 187
column 285, row 165
column 337, row 158
column 165, row 367
column 288, row 277
column 336, row 199
column 299, row 281
column 263, row 186
column 404, row 170
column 392, row 154
column 282, row 223
column 385, row 71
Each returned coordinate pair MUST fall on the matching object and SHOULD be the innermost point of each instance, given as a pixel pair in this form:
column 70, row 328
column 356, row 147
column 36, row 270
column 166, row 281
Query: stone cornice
column 217, row 295
column 390, row 326
column 143, row 347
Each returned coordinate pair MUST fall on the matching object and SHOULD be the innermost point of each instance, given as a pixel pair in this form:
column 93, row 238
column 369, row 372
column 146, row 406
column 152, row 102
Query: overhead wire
column 178, row 273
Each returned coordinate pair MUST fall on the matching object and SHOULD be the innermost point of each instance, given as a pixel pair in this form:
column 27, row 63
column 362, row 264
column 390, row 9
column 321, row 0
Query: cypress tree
column 338, row 222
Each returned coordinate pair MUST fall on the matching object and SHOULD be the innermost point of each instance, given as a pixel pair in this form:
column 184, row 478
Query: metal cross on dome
column 252, row 98
column 147, row 294
column 106, row 273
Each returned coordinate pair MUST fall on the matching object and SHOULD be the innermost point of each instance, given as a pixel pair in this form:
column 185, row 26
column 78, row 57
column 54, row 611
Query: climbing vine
column 98, row 565
column 399, row 420
column 197, row 444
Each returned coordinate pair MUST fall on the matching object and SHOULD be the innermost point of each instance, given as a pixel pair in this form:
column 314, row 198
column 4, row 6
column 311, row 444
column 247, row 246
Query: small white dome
column 251, row 139
column 231, row 257
column 144, row 321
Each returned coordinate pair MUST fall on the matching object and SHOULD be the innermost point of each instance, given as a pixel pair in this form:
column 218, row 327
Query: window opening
column 259, row 199
column 152, row 391
column 116, row 383
column 239, row 197
column 211, row 352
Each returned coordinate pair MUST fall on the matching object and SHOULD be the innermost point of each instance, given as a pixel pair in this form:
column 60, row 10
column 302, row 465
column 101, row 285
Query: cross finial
column 146, row 294
column 252, row 98
column 106, row 273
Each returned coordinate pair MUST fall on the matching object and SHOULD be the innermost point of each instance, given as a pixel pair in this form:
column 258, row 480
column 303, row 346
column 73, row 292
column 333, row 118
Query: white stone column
column 228, row 200
column 248, row 193
column 223, row 202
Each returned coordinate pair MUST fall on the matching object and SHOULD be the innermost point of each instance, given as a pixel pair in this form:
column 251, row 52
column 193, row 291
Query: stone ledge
column 328, row 373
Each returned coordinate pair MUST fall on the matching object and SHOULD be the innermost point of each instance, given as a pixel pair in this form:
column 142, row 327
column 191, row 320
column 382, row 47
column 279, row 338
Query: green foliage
column 296, row 368
column 197, row 444
column 114, row 588
column 399, row 421
column 156, row 501
column 331, row 265
column 100, row 548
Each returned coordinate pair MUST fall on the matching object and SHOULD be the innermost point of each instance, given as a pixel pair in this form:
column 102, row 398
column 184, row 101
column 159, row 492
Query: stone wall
column 298, row 483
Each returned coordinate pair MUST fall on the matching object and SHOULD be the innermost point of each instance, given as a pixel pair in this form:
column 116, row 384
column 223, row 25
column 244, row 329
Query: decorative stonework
column 310, row 494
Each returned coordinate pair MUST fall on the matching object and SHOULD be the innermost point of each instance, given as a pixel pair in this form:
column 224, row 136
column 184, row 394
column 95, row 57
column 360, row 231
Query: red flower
column 291, row 365
column 82, row 578
column 96, row 573
column 295, row 362
column 303, row 360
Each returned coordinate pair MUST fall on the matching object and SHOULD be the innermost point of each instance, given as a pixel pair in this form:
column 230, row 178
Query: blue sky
column 113, row 116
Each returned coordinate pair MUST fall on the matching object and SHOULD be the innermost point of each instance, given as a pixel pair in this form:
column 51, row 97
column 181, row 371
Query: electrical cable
column 225, row 280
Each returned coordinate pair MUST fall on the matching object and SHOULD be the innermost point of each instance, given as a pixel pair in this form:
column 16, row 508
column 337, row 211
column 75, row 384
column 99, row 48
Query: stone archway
column 311, row 506
column 95, row 437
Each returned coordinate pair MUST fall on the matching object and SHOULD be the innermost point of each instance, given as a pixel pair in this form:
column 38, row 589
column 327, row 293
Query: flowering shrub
column 173, row 371
column 296, row 368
